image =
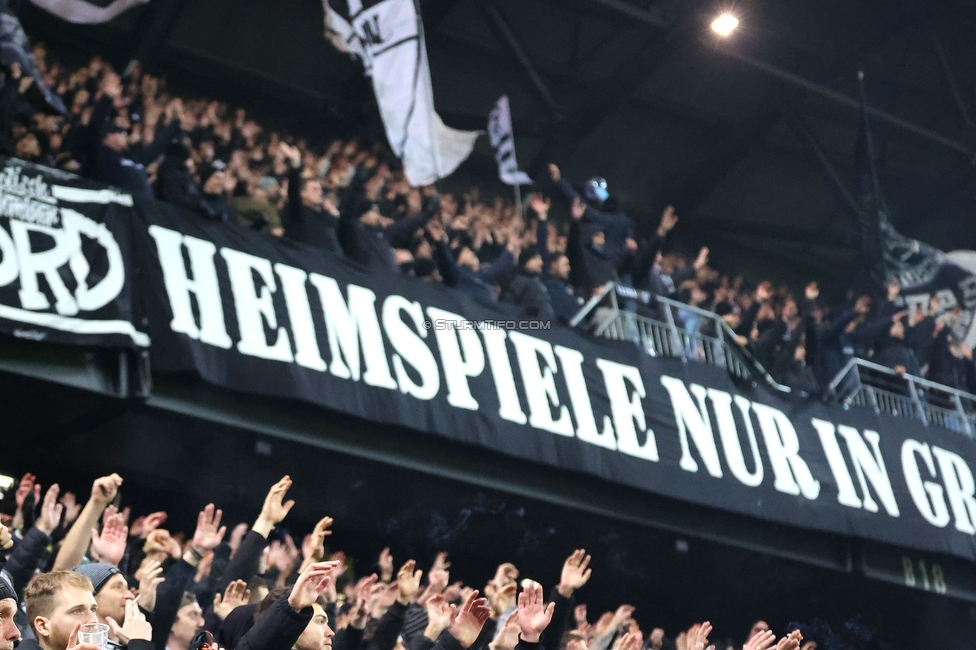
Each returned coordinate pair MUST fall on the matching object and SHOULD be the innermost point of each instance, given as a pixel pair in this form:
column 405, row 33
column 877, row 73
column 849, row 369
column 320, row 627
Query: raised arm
column 541, row 207
column 404, row 227
column 287, row 618
column 207, row 536
column 534, row 615
column 165, row 133
column 24, row 559
column 76, row 542
column 575, row 574
column 390, row 624
column 244, row 564
column 292, row 214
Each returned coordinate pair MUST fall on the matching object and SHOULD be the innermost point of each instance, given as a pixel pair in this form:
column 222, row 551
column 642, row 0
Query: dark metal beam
column 840, row 98
column 631, row 12
column 502, row 29
column 600, row 101
column 951, row 80
column 722, row 155
column 804, row 133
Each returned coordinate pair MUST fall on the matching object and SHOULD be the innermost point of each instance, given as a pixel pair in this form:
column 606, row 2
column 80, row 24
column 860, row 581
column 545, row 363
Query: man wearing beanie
column 9, row 634
column 112, row 594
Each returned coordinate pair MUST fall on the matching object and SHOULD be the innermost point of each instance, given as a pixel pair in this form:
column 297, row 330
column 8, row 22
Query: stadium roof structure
column 751, row 137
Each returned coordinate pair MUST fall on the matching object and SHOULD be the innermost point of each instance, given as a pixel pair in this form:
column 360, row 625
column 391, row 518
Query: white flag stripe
column 387, row 38
column 85, row 13
column 81, row 195
column 75, row 325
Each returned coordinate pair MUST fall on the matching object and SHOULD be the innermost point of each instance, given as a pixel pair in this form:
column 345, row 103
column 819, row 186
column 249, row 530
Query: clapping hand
column 534, row 614
column 760, row 640
column 209, row 532
column 236, row 595
column 469, row 619
column 508, row 637
column 275, row 509
column 310, row 585
column 51, row 511
column 109, row 545
column 408, row 582
column 150, row 576
column 575, row 573
column 668, row 221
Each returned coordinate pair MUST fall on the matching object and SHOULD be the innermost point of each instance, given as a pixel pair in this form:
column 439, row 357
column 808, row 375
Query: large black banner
column 65, row 264
column 251, row 313
column 262, row 316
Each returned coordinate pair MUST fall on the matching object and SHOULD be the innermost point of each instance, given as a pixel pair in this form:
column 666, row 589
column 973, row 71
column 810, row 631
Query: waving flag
column 922, row 270
column 87, row 12
column 387, row 36
column 503, row 140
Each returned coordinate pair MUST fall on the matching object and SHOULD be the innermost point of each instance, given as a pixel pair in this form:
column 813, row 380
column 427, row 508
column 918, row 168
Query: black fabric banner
column 267, row 317
column 81, row 264
column 65, row 262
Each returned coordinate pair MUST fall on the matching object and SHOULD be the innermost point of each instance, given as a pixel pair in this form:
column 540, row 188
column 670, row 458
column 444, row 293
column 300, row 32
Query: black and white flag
column 65, row 259
column 87, row 12
column 387, row 36
column 922, row 270
column 503, row 140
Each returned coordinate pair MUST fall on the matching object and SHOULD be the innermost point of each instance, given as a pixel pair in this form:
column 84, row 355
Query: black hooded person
column 601, row 212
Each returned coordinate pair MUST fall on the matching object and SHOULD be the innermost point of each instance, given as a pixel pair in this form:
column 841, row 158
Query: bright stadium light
column 725, row 24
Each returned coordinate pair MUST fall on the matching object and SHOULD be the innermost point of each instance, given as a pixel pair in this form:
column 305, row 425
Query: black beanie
column 6, row 591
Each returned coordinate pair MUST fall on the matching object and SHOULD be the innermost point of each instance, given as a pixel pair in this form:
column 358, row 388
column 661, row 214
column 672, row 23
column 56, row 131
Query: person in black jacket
column 109, row 160
column 308, row 218
column 369, row 238
column 216, row 185
column 556, row 269
column 617, row 228
column 466, row 273
column 526, row 288
column 649, row 253
column 590, row 262
column 297, row 621
column 174, row 181
column 896, row 354
column 244, row 563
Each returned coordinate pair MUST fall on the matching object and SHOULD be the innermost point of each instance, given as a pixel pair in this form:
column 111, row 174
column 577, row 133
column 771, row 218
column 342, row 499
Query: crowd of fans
column 350, row 199
column 69, row 565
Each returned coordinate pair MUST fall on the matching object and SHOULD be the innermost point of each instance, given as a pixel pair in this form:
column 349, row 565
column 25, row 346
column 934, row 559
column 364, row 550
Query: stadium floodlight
column 725, row 24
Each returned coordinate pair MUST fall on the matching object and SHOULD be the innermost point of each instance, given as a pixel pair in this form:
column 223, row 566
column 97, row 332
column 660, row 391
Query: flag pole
column 518, row 199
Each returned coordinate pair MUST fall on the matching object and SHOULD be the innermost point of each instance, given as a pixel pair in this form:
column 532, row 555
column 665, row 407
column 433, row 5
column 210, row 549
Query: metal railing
column 668, row 328
column 866, row 384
